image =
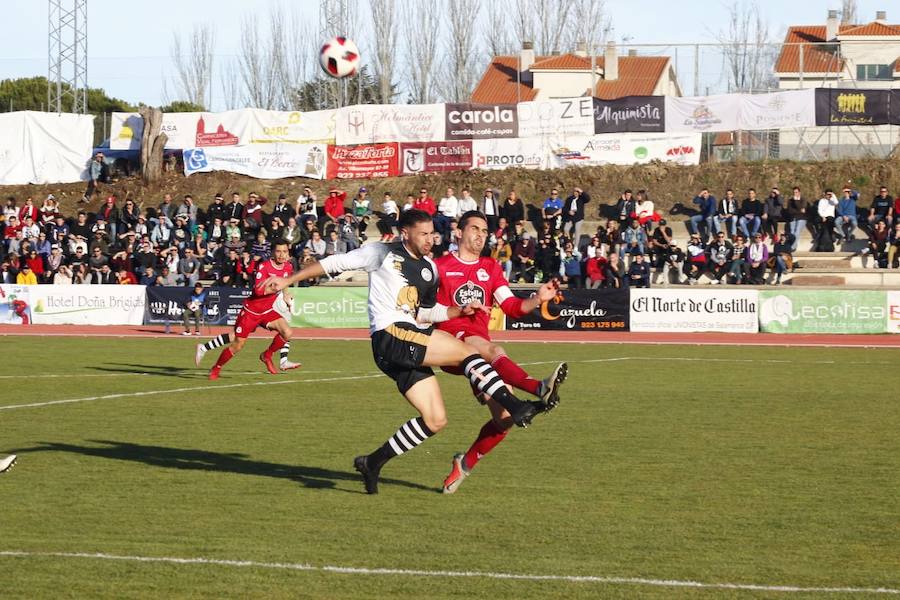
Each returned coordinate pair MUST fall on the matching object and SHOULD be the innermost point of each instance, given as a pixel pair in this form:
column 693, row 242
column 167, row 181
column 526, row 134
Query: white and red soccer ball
column 339, row 57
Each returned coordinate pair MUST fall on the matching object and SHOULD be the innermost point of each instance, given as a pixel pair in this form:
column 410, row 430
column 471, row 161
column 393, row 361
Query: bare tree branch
column 496, row 34
column 848, row 12
column 423, row 27
column 229, row 79
column 193, row 64
column 460, row 67
column 384, row 23
column 747, row 50
column 589, row 23
column 525, row 22
column 255, row 65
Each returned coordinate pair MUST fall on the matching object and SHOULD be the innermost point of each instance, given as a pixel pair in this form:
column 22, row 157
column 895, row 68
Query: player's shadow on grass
column 155, row 370
column 202, row 460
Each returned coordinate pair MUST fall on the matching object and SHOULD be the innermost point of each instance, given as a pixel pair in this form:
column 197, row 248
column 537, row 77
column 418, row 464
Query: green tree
column 30, row 93
column 177, row 106
column 364, row 88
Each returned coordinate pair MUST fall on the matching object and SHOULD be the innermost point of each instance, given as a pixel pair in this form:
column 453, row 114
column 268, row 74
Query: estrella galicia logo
column 195, row 160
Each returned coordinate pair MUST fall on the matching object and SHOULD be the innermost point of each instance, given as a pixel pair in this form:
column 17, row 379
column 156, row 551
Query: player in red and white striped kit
column 464, row 277
column 261, row 310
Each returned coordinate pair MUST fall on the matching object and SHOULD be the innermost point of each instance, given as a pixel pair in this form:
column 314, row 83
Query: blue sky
column 129, row 53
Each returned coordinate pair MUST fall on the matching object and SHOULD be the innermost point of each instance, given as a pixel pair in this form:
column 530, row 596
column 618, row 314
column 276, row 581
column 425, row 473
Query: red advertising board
column 435, row 157
column 363, row 161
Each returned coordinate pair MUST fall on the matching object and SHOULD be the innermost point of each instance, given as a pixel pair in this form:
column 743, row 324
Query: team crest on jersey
column 408, row 299
column 427, row 275
column 482, row 275
column 468, row 293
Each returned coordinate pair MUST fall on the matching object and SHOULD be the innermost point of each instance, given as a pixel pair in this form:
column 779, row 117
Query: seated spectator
column 316, row 245
column 634, row 240
column 878, row 243
column 756, row 256
column 63, row 276
column 751, row 214
column 614, row 272
column 845, row 222
column 781, row 261
column 573, row 213
column 570, row 266
column 882, row 209
column 261, row 248
column 773, row 213
column 466, row 202
column 721, row 255
column 523, row 260
column 148, row 277
column 290, row 233
column 707, row 207
column 546, row 258
column 625, row 207
column 513, row 210
column 306, row 259
column 26, row 276
column 894, row 247
column 334, row 245
column 103, row 276
column 347, row 231
column 193, row 309
column 823, row 227
column 387, row 218
column 502, row 253
column 551, row 210
column 639, row 273
column 644, row 211
column 188, row 268
column 594, row 270
column 727, row 214
column 125, row 277
column 81, row 274
column 695, row 259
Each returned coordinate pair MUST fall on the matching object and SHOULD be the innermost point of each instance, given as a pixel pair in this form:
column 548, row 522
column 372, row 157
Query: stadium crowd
column 175, row 243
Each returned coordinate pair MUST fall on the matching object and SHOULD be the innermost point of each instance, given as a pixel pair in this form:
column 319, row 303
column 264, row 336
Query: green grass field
column 722, row 465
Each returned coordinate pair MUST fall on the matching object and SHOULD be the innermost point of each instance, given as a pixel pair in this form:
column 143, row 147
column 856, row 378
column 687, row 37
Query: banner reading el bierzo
column 852, row 107
column 592, row 310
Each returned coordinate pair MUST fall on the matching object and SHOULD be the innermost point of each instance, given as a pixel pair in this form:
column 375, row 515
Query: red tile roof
column 638, row 76
column 873, row 28
column 820, row 58
column 748, row 139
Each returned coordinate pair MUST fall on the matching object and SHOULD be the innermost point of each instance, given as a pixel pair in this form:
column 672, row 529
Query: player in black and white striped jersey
column 403, row 284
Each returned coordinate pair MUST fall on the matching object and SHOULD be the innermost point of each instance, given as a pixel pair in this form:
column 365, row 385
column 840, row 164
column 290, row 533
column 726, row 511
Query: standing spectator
column 721, row 255
column 166, row 209
column 756, row 257
column 781, row 261
column 573, row 213
column 188, row 211
column 639, row 273
column 95, row 176
column 253, row 214
column 109, row 213
column 29, row 210
column 882, row 208
column 490, row 208
column 707, row 207
column 551, row 210
column 334, row 209
column 128, row 217
column 513, row 210
column 193, row 309
column 773, row 213
column 216, row 210
column 727, row 215
column 797, row 212
column 751, row 214
column 824, row 227
column 189, row 268
column 845, row 221
column 282, row 210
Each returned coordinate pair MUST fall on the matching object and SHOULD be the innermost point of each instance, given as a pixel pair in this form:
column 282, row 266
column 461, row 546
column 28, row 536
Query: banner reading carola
column 363, row 161
column 481, row 121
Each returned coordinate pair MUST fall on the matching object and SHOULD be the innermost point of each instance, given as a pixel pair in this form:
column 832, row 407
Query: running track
column 581, row 337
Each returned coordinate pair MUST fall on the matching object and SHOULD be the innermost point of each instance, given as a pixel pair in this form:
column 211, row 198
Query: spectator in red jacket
column 593, row 268
column 334, row 208
column 425, row 202
column 29, row 210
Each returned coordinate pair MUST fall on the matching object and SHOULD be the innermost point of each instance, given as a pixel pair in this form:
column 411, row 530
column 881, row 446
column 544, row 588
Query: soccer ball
column 339, row 57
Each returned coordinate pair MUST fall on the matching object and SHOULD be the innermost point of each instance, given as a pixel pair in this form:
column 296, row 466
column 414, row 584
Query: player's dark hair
column 280, row 242
column 471, row 214
column 412, row 217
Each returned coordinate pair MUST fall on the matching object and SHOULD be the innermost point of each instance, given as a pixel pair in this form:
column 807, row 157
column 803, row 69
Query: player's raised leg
column 217, row 342
column 6, row 462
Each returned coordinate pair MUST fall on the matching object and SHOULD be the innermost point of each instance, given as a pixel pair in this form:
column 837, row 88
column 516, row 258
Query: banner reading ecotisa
column 853, row 107
column 87, row 304
column 823, row 311
column 166, row 304
column 662, row 310
column 331, row 307
column 263, row 161
column 579, row 310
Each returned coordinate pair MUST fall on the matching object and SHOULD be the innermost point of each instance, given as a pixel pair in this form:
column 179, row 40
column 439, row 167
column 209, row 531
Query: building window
column 873, row 72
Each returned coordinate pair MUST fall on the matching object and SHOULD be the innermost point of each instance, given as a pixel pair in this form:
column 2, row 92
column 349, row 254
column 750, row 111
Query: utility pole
column 67, row 56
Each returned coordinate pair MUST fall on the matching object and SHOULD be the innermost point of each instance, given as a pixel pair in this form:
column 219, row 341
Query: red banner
column 435, row 157
column 363, row 161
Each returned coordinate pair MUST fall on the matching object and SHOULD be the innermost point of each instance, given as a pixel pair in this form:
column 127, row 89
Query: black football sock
column 411, row 434
column 219, row 340
column 485, row 378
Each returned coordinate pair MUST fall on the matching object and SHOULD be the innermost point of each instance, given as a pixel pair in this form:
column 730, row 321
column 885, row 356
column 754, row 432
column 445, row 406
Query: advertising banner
column 523, row 153
column 703, row 113
column 663, row 310
column 291, row 127
column 87, row 304
column 778, row 110
column 893, row 312
column 264, row 161
column 632, row 113
column 435, row 157
column 852, row 106
column 578, row 310
column 15, row 304
column 823, row 311
column 37, row 147
column 184, row 130
column 558, row 117
column 166, row 304
column 480, row 121
column 625, row 149
column 373, row 123
column 363, row 161
column 332, row 307
column 894, row 106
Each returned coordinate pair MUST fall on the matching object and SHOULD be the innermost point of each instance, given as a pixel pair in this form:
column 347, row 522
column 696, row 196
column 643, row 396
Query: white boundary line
column 68, row 375
column 640, row 581
column 185, row 389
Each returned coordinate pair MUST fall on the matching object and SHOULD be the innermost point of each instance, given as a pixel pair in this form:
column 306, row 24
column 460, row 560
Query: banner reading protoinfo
column 562, row 117
column 87, row 304
column 331, row 307
column 363, row 161
column 663, row 310
column 579, row 310
column 435, row 157
column 522, row 153
column 823, row 311
column 625, row 149
column 263, row 161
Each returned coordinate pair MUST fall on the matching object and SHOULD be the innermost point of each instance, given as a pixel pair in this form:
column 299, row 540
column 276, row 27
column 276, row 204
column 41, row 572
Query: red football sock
column 515, row 375
column 226, row 355
column 275, row 346
column 490, row 435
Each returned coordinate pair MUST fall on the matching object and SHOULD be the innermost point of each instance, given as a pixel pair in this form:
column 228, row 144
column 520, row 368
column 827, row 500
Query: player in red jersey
column 464, row 277
column 262, row 310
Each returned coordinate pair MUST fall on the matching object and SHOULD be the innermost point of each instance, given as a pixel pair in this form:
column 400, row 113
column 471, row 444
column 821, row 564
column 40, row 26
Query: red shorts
column 247, row 322
column 462, row 332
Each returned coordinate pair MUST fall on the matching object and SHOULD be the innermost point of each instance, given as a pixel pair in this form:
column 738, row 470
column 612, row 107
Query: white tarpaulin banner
column 778, row 110
column 264, row 161
column 734, row 311
column 293, row 127
column 87, row 304
column 375, row 123
column 184, row 130
column 37, row 147
column 623, row 149
column 505, row 153
column 570, row 116
column 703, row 113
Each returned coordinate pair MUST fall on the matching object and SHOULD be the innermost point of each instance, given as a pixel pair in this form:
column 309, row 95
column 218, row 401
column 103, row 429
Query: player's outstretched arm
column 276, row 284
column 367, row 258
column 545, row 293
